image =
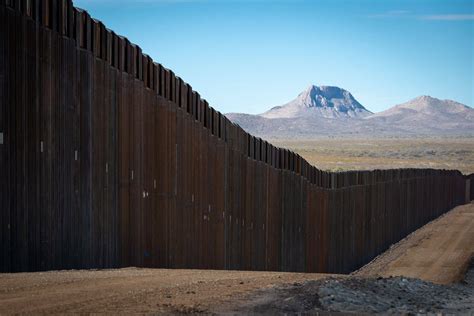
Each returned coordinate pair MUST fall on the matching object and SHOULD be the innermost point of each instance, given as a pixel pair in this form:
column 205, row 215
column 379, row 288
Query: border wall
column 111, row 160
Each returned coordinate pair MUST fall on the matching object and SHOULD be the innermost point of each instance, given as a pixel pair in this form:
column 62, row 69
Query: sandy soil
column 439, row 252
column 133, row 290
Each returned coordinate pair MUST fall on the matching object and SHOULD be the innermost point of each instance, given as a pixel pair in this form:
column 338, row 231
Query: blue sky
column 250, row 55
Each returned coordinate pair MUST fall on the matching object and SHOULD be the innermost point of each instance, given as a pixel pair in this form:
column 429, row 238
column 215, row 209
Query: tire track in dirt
column 438, row 252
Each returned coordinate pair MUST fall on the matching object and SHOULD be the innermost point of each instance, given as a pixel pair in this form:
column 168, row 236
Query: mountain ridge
column 333, row 111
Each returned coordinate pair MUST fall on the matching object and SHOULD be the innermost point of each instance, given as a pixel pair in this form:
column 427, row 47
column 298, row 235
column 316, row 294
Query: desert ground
column 425, row 272
column 338, row 154
column 133, row 290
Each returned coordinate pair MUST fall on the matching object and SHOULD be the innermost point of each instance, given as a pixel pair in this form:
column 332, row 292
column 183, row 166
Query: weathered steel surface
column 110, row 160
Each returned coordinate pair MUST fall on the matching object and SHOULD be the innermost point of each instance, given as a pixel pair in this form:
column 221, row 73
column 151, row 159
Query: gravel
column 395, row 295
column 365, row 295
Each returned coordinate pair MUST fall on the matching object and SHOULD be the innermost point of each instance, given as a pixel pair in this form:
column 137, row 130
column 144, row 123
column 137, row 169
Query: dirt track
column 439, row 252
column 132, row 290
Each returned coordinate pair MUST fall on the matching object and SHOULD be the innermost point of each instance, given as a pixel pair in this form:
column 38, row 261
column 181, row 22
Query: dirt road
column 439, row 252
column 132, row 290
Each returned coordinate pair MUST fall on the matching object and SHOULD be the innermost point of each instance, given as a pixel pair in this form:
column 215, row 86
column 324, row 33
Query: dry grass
column 339, row 154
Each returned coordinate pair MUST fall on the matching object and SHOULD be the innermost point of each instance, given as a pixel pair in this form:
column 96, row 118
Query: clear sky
column 250, row 55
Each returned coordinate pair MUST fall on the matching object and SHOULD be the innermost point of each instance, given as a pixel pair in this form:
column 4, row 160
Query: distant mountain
column 427, row 115
column 332, row 111
column 324, row 101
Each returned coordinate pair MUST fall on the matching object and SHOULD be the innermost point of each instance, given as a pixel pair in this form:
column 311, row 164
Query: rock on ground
column 363, row 295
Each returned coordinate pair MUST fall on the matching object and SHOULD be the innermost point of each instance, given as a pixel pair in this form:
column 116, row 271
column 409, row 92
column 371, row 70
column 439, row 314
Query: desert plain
column 346, row 153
